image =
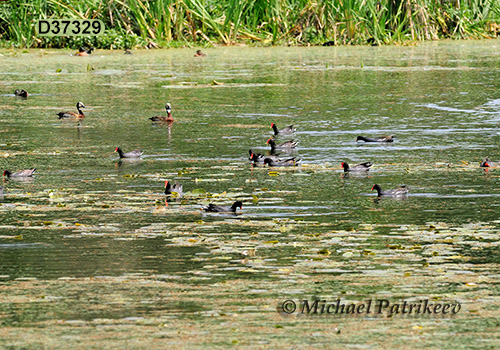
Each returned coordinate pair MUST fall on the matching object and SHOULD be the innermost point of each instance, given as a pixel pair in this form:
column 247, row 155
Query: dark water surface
column 96, row 235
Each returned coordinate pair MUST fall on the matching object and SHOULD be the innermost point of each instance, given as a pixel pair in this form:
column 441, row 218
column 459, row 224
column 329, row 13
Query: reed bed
column 153, row 23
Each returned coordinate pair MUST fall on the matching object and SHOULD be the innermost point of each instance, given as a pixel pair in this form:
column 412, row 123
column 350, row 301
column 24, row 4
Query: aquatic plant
column 132, row 23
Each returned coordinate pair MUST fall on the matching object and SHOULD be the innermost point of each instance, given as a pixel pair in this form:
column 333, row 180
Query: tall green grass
column 297, row 22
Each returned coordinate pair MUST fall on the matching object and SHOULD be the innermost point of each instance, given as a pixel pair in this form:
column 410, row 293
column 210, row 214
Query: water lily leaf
column 348, row 255
column 271, row 242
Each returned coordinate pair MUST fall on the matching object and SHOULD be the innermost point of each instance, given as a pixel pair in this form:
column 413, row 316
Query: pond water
column 92, row 255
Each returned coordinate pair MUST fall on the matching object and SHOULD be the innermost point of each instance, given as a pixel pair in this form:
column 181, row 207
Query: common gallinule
column 486, row 163
column 287, row 162
column 256, row 157
column 136, row 153
column 162, row 118
column 177, row 187
column 21, row 93
column 285, row 131
column 80, row 114
column 401, row 191
column 389, row 138
column 259, row 158
column 20, row 173
column 212, row 208
column 356, row 168
column 288, row 145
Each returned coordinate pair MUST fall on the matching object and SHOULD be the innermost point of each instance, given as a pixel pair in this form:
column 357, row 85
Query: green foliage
column 132, row 23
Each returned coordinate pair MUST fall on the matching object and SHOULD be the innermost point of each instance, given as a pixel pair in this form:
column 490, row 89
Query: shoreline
column 194, row 46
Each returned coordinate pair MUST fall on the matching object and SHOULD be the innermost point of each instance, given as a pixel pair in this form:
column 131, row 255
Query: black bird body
column 20, row 173
column 289, row 130
column 389, row 138
column 287, row 162
column 212, row 208
column 177, row 188
column 398, row 192
column 259, row 158
column 132, row 154
column 356, row 168
column 85, row 49
column 286, row 146
column 21, row 93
